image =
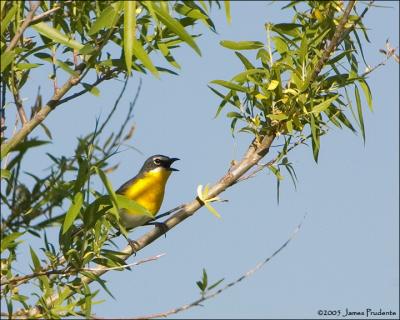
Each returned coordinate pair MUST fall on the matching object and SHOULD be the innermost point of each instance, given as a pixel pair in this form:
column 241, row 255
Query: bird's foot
column 164, row 228
column 134, row 245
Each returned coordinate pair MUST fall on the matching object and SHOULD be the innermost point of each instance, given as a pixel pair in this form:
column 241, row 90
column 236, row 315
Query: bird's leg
column 164, row 228
column 133, row 244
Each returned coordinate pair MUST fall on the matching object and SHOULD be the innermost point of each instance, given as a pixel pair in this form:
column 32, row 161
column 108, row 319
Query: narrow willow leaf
column 315, row 138
column 35, row 260
column 215, row 284
column 174, row 25
column 73, row 211
column 129, row 32
column 56, row 36
column 142, row 55
column 367, row 92
column 291, row 29
column 323, row 105
column 276, row 172
column 6, row 174
column 103, row 21
column 6, row 59
column 228, row 11
column 9, row 16
column 229, row 85
column 359, row 111
column 7, row 240
column 132, row 206
column 109, row 187
column 272, row 85
column 241, row 45
column 92, row 89
column 244, row 60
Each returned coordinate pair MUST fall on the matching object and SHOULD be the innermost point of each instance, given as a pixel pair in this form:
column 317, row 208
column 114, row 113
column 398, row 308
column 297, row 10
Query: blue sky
column 345, row 255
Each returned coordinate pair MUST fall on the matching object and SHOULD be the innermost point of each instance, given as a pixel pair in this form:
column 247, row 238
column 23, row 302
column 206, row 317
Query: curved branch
column 256, row 151
column 210, row 295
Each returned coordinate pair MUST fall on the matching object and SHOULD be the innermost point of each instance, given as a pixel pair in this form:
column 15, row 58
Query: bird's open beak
column 172, row 160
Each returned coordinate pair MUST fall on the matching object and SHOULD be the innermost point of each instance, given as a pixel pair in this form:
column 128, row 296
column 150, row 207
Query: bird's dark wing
column 122, row 189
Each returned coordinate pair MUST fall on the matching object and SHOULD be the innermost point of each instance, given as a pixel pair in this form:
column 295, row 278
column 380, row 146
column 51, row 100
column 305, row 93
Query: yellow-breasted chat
column 147, row 188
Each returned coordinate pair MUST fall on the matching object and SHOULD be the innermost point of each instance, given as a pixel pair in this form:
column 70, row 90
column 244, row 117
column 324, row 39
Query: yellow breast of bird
column 149, row 189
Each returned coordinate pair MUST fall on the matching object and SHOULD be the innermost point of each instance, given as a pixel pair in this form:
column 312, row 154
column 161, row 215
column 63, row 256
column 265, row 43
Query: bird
column 147, row 188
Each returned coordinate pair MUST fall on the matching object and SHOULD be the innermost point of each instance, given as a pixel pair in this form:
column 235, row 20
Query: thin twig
column 18, row 101
column 24, row 25
column 212, row 294
column 156, row 257
column 98, row 81
column 16, row 281
column 47, row 13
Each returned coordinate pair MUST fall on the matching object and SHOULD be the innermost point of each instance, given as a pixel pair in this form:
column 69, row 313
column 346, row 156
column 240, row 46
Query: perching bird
column 147, row 189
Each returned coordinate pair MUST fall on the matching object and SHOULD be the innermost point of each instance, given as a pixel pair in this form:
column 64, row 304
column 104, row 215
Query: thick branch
column 24, row 25
column 256, row 151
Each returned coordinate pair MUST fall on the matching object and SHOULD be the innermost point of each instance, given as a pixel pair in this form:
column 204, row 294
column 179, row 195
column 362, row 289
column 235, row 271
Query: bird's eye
column 157, row 161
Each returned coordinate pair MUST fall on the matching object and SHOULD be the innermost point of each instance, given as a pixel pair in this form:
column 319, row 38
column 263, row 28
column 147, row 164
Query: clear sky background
column 345, row 255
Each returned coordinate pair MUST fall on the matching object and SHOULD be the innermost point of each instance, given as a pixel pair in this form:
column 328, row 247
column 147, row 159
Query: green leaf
column 359, row 111
column 35, row 260
column 142, row 55
column 96, row 278
column 9, row 16
column 241, row 77
column 276, row 172
column 279, row 116
column 131, row 205
column 315, row 138
column 215, row 284
column 228, row 11
column 273, row 84
column 367, row 92
column 244, row 60
column 23, row 146
column 6, row 174
column 173, row 24
column 56, row 36
column 324, row 105
column 292, row 29
column 280, row 45
column 7, row 240
column 73, row 211
column 229, row 85
column 241, row 45
column 129, row 32
column 92, row 89
column 6, row 59
column 103, row 21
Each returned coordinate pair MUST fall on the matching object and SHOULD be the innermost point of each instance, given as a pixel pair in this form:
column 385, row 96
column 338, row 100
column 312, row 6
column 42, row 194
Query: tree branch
column 256, row 151
column 16, row 281
column 24, row 25
column 41, row 115
column 336, row 39
column 211, row 294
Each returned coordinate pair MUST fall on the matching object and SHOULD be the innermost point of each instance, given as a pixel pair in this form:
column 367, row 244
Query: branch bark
column 336, row 39
column 256, row 151
column 40, row 116
column 24, row 25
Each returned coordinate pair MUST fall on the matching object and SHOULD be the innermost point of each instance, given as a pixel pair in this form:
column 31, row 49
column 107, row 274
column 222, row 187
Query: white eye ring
column 157, row 161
